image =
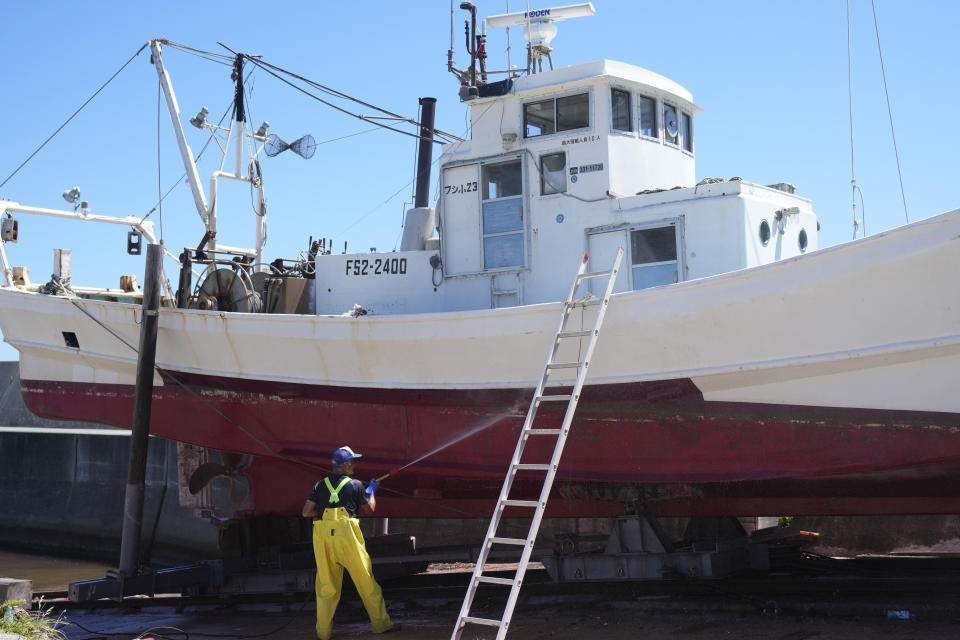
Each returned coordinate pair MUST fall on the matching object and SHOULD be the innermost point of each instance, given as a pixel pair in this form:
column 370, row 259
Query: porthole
column 764, row 232
column 802, row 240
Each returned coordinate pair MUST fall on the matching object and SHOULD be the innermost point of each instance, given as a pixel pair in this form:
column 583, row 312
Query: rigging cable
column 896, row 153
column 853, row 178
column 345, row 96
column 266, row 66
column 395, row 193
column 67, row 121
column 333, row 106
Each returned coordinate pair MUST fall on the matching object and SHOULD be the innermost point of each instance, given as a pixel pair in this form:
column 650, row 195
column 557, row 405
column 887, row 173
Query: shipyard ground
column 841, row 600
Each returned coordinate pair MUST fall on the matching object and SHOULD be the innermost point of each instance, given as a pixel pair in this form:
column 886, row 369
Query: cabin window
column 560, row 114
column 686, row 131
column 764, row 232
column 648, row 117
column 553, row 176
column 503, row 238
column 802, row 241
column 671, row 126
column 653, row 256
column 620, row 105
column 538, row 119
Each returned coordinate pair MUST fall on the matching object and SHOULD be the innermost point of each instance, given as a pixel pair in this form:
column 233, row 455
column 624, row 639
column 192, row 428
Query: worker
column 338, row 543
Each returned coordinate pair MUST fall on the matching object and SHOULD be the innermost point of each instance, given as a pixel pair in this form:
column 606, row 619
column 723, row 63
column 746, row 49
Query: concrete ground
column 553, row 622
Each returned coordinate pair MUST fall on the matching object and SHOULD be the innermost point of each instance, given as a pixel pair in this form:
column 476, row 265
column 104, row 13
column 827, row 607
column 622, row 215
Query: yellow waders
column 338, row 545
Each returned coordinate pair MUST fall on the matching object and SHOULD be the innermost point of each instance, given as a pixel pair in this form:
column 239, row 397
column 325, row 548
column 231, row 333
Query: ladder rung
column 487, row 579
column 544, row 432
column 484, row 621
column 592, row 274
column 563, row 365
column 574, row 334
column 531, row 467
column 555, row 398
column 584, row 303
column 520, row 542
column 521, row 503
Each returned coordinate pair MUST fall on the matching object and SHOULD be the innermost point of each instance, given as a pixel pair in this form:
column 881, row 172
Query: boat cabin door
column 483, row 226
column 602, row 248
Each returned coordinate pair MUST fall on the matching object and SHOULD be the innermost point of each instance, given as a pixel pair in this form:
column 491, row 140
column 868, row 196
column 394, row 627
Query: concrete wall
column 63, row 491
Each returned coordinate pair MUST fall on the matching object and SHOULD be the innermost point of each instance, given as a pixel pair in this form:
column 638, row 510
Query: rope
column 72, row 116
column 896, row 153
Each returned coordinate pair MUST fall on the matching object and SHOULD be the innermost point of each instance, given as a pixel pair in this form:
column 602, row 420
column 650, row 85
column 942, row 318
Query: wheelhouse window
column 686, row 131
column 538, row 119
column 503, row 235
column 553, row 178
column 559, row 114
column 653, row 256
column 620, row 105
column 671, row 124
column 648, row 117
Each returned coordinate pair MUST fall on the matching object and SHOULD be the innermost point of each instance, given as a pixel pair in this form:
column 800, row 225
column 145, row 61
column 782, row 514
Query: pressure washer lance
column 376, row 481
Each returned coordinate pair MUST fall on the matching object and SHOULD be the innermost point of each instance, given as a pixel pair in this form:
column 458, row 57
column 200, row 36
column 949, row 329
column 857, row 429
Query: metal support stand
column 638, row 549
column 143, row 399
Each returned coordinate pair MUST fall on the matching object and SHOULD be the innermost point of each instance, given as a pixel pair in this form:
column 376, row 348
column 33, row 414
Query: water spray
column 475, row 430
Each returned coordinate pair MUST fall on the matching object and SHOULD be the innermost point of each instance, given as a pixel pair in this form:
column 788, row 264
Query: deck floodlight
column 262, row 131
column 200, row 120
column 71, row 195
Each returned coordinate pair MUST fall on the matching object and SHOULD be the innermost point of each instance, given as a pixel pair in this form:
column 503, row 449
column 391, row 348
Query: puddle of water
column 49, row 573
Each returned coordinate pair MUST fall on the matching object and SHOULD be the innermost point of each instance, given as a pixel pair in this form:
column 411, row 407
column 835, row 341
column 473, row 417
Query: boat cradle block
column 15, row 589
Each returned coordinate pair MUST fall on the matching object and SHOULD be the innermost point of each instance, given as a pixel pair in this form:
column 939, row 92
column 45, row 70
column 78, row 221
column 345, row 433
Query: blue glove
column 372, row 487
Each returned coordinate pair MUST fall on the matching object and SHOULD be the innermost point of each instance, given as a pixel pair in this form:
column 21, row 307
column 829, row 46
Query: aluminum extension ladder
column 551, row 469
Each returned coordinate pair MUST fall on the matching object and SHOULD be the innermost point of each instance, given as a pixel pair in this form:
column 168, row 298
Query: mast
column 208, row 213
column 193, row 178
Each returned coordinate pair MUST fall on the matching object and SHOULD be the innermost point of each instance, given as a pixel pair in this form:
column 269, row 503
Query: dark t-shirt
column 351, row 496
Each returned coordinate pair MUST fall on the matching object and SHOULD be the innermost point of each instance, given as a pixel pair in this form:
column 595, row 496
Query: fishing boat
column 741, row 368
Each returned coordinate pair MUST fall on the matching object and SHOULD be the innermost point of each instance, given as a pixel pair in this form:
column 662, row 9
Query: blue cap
column 343, row 454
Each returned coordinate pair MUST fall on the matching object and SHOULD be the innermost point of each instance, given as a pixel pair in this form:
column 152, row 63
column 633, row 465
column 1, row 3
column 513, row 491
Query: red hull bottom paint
column 657, row 443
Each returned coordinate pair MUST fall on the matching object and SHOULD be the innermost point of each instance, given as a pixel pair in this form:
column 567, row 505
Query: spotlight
column 71, row 195
column 200, row 120
column 262, row 131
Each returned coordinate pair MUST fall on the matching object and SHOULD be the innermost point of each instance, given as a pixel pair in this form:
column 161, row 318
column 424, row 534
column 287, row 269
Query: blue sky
column 772, row 77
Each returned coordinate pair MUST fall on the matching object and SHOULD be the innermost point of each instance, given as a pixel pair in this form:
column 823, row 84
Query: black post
column 428, row 107
column 133, row 499
column 186, row 280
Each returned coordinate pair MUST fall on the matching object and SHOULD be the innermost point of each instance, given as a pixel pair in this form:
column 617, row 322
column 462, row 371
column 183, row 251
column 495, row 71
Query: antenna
column 304, row 146
column 539, row 27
